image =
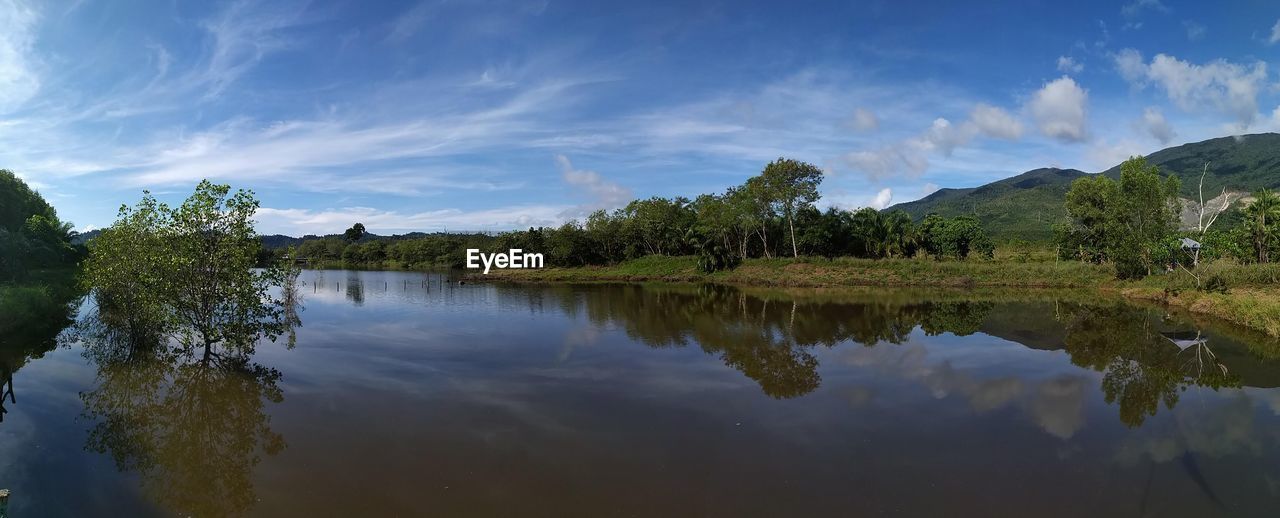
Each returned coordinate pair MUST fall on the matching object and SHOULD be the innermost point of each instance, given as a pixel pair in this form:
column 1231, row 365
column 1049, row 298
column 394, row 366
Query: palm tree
column 1263, row 219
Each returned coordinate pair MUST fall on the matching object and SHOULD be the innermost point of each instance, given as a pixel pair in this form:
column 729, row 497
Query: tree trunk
column 792, row 223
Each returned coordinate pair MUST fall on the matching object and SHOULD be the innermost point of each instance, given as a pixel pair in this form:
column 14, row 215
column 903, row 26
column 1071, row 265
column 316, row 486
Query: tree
column 964, row 235
column 31, row 235
column 1142, row 218
column 792, row 185
column 1262, row 221
column 603, row 230
column 191, row 270
column 1087, row 205
column 355, row 233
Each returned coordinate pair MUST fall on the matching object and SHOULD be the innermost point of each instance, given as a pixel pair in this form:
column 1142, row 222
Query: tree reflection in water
column 29, row 340
column 192, row 422
column 771, row 337
column 1141, row 366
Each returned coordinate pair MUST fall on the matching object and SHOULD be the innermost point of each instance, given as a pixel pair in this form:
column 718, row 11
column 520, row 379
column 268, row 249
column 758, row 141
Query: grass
column 1252, row 299
column 45, row 293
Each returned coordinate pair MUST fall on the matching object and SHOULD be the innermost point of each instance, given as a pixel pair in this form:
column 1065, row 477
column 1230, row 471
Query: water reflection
column 1142, row 366
column 191, row 422
column 1145, row 359
column 29, row 340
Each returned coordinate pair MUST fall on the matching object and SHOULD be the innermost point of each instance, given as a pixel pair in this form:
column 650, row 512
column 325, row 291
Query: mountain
column 1022, row 207
column 1244, row 163
column 1026, row 206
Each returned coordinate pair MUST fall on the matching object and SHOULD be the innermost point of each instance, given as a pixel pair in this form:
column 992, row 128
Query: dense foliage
column 1134, row 223
column 771, row 214
column 187, row 271
column 31, row 235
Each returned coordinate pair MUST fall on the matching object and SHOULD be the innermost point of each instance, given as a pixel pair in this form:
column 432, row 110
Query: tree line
column 31, row 235
column 1135, row 223
column 772, row 214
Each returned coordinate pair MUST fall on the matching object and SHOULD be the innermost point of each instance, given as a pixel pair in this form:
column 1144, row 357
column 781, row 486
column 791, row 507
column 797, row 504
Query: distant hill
column 1244, row 163
column 1026, row 206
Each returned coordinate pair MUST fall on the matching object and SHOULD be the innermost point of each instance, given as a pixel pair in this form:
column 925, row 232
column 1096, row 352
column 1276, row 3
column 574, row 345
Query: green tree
column 1262, row 222
column 1087, row 205
column 964, row 235
column 792, row 185
column 1142, row 218
column 190, row 270
column 355, row 233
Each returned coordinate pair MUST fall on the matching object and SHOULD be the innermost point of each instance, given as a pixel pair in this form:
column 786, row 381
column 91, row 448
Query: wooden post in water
column 4, row 503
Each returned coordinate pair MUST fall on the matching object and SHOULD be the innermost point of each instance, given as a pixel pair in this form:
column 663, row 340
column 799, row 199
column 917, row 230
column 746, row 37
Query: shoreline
column 1252, row 299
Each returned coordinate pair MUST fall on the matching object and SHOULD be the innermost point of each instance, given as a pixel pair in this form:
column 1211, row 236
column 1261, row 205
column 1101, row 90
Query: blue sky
column 490, row 114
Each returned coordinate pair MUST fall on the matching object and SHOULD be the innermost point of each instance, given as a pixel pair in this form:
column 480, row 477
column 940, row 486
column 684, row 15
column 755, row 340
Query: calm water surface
column 408, row 397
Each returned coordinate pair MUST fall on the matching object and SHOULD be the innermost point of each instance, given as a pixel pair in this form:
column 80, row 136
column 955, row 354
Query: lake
column 407, row 394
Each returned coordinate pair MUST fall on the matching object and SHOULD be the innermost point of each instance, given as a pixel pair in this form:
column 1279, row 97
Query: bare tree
column 1201, row 226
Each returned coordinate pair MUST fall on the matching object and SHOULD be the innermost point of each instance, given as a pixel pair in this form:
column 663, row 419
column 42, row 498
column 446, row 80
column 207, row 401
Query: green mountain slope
column 1023, row 207
column 1026, row 206
column 1245, row 163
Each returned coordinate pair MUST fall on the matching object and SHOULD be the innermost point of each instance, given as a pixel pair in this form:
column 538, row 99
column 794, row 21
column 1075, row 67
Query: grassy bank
column 44, row 296
column 1252, row 298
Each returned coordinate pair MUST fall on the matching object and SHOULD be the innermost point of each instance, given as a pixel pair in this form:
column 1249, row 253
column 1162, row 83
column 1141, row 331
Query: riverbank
column 1250, row 300
column 41, row 299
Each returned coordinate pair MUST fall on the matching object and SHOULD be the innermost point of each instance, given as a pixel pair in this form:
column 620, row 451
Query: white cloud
column 1229, row 88
column 297, row 222
column 605, row 194
column 1195, row 31
column 908, row 158
column 864, row 120
column 946, row 137
column 19, row 81
column 1068, row 65
column 882, row 199
column 1275, row 33
column 1154, row 123
column 995, row 122
column 1131, row 67
column 1060, row 110
column 1104, row 155
column 929, row 188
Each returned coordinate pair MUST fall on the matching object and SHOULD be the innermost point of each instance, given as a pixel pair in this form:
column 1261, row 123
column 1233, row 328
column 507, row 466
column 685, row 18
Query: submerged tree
column 189, row 271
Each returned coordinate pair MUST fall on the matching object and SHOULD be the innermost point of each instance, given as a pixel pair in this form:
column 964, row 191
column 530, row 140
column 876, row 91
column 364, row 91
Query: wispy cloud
column 410, row 22
column 19, row 80
column 604, row 193
column 323, row 221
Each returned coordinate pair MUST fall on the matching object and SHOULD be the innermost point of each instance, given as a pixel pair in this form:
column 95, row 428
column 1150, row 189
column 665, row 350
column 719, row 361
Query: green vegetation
column 1239, row 163
column 36, row 260
column 771, row 214
column 31, row 235
column 1027, row 206
column 1132, row 222
column 187, row 272
column 1022, row 207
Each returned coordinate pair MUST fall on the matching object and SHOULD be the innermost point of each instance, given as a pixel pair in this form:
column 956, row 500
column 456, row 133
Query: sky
column 491, row 115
